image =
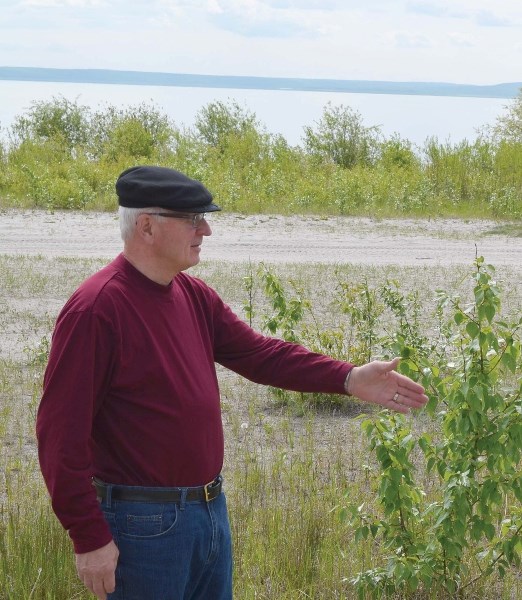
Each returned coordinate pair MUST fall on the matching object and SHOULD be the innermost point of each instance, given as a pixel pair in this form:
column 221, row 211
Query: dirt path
column 274, row 239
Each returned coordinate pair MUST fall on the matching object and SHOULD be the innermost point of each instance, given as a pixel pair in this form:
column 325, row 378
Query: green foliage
column 482, row 174
column 36, row 562
column 397, row 152
column 38, row 355
column 248, row 306
column 476, row 397
column 64, row 156
column 508, row 127
column 362, row 304
column 135, row 133
column 59, row 119
column 359, row 338
column 61, row 154
column 450, row 500
column 39, row 175
column 341, row 137
column 217, row 122
column 283, row 321
column 287, row 314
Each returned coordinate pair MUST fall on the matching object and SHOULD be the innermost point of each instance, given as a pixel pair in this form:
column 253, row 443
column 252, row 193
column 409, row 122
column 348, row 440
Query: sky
column 457, row 41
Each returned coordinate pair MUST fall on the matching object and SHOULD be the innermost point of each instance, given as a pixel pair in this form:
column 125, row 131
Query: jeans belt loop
column 183, row 498
column 108, row 499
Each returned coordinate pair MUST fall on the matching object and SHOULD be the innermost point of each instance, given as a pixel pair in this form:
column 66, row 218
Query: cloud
column 460, row 40
column 427, row 8
column 61, row 3
column 257, row 18
column 50, row 15
column 464, row 10
column 259, row 26
column 405, row 39
column 327, row 5
column 214, row 7
column 488, row 19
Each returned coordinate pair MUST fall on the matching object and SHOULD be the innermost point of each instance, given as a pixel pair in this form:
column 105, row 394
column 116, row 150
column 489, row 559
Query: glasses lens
column 198, row 218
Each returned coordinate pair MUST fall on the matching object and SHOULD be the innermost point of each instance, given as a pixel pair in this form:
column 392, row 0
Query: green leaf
column 425, row 443
column 490, row 312
column 489, row 531
column 432, row 404
column 361, row 533
column 472, row 329
column 479, row 296
column 508, row 360
column 458, row 318
column 474, row 400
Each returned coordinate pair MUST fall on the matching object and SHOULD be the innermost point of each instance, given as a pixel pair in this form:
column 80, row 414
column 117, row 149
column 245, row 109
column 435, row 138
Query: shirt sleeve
column 76, row 377
column 271, row 361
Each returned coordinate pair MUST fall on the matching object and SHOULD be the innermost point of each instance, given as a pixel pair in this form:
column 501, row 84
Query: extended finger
column 395, row 404
column 408, row 385
column 409, row 398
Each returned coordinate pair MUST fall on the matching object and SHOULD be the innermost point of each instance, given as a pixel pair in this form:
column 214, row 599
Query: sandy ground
column 275, row 239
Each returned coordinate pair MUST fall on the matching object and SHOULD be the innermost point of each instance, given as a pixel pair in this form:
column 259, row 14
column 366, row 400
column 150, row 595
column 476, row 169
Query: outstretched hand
column 377, row 382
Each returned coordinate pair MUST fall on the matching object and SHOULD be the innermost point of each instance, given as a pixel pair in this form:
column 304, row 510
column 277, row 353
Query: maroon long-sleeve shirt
column 131, row 394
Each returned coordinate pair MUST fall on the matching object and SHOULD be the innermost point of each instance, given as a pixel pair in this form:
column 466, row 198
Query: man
column 129, row 426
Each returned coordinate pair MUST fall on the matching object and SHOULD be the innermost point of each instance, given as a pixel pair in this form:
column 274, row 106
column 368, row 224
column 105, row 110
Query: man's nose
column 205, row 227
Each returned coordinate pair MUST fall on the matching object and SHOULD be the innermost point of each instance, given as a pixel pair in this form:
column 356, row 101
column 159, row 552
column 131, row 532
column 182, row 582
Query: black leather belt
column 207, row 492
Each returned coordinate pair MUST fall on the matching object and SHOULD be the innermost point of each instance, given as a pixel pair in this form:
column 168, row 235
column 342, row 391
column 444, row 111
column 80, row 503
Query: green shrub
column 475, row 519
column 397, row 153
column 341, row 137
column 219, row 121
column 508, row 126
column 137, row 133
column 58, row 119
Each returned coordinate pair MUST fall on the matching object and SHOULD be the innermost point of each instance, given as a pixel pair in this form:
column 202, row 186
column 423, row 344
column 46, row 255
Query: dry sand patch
column 274, row 239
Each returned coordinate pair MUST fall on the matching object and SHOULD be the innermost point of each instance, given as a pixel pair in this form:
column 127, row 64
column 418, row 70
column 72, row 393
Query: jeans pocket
column 144, row 526
column 147, row 521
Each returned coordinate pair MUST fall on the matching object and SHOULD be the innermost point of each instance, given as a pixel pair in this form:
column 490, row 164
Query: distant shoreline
column 105, row 76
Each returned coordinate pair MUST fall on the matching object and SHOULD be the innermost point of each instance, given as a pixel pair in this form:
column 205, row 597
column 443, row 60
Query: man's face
column 178, row 238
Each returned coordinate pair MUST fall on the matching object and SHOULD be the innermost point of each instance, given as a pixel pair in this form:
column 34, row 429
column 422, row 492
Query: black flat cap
column 144, row 187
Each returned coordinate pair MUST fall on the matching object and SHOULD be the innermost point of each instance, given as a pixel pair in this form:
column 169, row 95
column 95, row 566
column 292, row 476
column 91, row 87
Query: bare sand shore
column 274, row 239
column 237, row 239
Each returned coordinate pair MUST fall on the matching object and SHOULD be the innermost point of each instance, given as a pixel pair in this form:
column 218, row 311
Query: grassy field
column 289, row 470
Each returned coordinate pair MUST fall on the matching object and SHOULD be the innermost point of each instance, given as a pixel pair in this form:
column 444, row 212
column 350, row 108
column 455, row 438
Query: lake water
column 286, row 112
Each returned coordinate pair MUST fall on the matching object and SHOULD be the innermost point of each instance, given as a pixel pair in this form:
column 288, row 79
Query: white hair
column 127, row 218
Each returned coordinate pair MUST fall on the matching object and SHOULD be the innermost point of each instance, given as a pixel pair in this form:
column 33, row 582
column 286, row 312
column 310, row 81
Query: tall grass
column 63, row 155
column 287, row 476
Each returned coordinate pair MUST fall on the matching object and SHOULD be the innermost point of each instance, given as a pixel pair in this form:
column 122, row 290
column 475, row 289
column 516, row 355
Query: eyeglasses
column 194, row 218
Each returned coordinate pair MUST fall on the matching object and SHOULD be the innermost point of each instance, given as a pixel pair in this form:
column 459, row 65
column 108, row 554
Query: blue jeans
column 172, row 551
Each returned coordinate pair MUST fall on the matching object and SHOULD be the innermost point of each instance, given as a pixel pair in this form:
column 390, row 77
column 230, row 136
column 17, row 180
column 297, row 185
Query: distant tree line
column 60, row 154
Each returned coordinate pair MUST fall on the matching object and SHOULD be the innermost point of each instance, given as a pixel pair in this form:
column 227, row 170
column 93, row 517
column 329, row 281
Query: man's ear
column 145, row 228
